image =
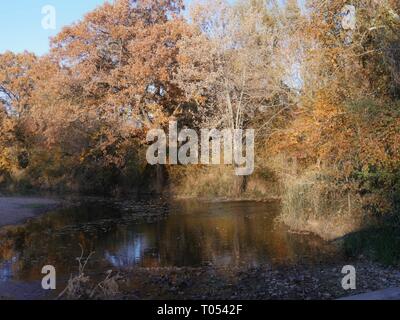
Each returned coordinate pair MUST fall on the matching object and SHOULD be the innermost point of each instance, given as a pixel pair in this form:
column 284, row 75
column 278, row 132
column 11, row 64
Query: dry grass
column 221, row 182
column 311, row 203
column 82, row 287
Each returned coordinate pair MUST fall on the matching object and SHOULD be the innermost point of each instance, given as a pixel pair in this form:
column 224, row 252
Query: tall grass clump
column 312, row 201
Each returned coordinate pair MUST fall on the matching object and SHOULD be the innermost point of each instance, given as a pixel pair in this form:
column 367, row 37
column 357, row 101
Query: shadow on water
column 127, row 234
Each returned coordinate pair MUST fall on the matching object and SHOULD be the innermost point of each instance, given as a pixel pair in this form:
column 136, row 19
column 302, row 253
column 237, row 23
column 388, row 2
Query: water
column 129, row 234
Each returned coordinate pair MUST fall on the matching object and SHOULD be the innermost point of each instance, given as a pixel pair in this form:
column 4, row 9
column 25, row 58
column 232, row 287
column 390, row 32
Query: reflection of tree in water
column 231, row 234
column 128, row 254
column 8, row 259
column 194, row 234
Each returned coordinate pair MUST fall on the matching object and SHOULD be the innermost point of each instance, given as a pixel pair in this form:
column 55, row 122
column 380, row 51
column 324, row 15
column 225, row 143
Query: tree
column 16, row 83
column 120, row 59
column 344, row 125
column 232, row 68
column 16, row 88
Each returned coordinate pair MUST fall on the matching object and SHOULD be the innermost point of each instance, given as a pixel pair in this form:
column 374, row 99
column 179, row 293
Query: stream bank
column 16, row 210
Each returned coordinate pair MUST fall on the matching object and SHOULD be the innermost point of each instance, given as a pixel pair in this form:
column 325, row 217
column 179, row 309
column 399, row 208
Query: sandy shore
column 15, row 210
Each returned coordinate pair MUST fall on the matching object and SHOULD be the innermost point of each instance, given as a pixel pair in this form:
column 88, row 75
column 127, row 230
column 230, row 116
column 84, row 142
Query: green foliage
column 381, row 244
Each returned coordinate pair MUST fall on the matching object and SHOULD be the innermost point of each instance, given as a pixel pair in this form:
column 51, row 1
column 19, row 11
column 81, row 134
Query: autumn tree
column 114, row 82
column 344, row 128
column 16, row 83
column 232, row 69
column 121, row 58
column 86, row 105
column 16, row 89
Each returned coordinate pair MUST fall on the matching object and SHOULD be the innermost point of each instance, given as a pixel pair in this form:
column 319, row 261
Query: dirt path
column 15, row 210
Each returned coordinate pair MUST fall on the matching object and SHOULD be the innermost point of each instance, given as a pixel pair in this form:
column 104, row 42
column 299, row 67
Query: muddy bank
column 16, row 210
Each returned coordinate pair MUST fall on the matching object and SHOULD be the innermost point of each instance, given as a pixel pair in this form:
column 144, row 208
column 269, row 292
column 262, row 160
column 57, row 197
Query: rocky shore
column 300, row 282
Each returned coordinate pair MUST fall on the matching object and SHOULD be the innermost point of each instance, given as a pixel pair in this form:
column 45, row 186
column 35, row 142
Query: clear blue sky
column 21, row 22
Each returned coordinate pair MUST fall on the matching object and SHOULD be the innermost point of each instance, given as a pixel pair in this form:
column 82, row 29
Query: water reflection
column 127, row 234
column 130, row 253
column 7, row 270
